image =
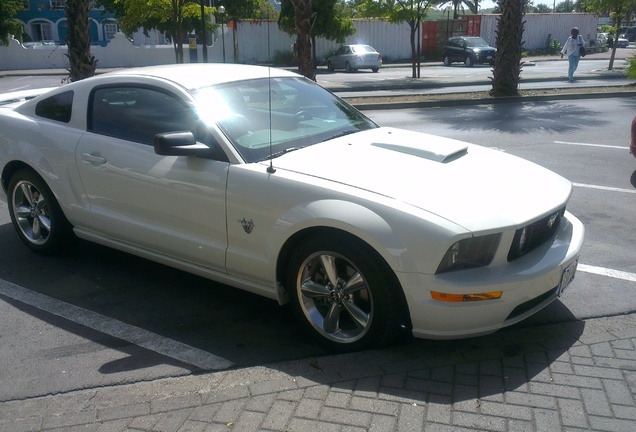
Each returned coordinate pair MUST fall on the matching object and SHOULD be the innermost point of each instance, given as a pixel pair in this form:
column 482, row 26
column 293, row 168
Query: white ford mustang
column 261, row 179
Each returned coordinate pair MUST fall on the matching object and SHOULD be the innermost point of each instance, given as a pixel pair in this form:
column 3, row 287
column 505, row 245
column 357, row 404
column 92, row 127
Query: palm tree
column 81, row 63
column 509, row 40
column 473, row 6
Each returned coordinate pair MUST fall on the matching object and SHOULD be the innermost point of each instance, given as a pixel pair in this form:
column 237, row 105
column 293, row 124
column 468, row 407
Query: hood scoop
column 438, row 153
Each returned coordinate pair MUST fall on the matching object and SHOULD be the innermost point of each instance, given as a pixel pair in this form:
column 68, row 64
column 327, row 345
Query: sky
column 487, row 4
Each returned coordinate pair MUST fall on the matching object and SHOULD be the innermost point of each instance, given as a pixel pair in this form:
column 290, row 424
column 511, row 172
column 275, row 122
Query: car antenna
column 270, row 168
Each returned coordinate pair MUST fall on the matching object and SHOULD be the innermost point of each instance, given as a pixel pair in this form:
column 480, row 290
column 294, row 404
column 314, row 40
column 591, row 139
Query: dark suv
column 470, row 50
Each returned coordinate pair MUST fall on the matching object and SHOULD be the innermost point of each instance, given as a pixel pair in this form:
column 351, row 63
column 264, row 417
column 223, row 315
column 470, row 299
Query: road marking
column 115, row 328
column 616, row 274
column 592, row 145
column 605, row 188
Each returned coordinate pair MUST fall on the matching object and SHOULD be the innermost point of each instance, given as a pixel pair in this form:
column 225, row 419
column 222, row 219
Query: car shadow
column 523, row 117
column 249, row 330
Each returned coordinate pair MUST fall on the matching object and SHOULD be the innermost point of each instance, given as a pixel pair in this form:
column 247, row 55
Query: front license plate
column 488, row 57
column 568, row 275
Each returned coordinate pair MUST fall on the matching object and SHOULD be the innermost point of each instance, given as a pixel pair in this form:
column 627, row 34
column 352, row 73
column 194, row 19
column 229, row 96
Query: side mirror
column 181, row 144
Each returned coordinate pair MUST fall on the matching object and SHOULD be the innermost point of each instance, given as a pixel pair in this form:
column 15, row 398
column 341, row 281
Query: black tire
column 362, row 308
column 468, row 61
column 348, row 68
column 36, row 214
column 447, row 61
column 330, row 66
column 375, row 69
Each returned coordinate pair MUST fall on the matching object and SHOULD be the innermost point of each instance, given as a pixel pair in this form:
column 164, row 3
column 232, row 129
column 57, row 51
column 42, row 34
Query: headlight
column 469, row 253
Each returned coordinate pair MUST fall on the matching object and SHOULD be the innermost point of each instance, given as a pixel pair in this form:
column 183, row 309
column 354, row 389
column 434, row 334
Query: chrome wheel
column 335, row 297
column 36, row 215
column 31, row 212
column 344, row 294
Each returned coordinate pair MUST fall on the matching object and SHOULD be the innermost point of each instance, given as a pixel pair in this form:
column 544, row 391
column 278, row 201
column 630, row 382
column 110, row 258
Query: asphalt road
column 96, row 317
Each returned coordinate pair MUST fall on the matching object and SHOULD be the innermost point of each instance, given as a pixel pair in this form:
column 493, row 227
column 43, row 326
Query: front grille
column 534, row 235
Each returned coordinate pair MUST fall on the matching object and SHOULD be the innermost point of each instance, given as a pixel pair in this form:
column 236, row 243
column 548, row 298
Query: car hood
column 478, row 188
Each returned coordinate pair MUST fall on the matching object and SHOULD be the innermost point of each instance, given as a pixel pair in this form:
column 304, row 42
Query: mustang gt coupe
column 261, row 179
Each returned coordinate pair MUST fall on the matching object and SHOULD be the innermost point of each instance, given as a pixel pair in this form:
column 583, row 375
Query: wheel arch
column 10, row 169
column 291, row 244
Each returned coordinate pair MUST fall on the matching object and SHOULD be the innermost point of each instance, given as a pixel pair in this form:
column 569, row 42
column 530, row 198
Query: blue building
column 45, row 21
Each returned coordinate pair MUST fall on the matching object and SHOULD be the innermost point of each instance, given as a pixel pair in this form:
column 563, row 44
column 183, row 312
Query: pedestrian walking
column 571, row 49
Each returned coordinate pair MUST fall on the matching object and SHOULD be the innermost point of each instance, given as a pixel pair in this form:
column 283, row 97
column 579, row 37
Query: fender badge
column 248, row 225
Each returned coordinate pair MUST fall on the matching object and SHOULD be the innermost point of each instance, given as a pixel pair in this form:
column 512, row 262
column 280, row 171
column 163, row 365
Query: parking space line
column 605, row 188
column 592, row 145
column 135, row 335
column 616, row 274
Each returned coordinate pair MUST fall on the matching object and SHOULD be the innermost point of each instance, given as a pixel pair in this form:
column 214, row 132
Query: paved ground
column 566, row 377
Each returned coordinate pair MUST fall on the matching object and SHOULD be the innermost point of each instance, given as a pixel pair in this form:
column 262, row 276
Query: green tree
column 509, row 40
column 565, row 6
column 473, row 6
column 9, row 25
column 542, row 8
column 81, row 63
column 411, row 12
column 619, row 10
column 175, row 17
column 321, row 18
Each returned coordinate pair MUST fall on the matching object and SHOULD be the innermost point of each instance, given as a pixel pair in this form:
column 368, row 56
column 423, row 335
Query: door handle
column 92, row 159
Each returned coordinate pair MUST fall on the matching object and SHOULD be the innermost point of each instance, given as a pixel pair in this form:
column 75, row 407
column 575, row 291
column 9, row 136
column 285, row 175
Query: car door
column 341, row 57
column 171, row 205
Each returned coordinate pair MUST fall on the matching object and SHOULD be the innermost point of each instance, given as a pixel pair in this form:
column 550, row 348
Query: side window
column 58, row 107
column 138, row 113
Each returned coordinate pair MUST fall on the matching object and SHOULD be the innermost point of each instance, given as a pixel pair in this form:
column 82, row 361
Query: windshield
column 265, row 118
column 476, row 42
column 361, row 49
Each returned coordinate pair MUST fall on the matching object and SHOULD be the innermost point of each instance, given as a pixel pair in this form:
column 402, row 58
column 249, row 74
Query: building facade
column 45, row 22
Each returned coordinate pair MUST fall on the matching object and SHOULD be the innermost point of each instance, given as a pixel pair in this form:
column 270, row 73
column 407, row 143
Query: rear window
column 58, row 107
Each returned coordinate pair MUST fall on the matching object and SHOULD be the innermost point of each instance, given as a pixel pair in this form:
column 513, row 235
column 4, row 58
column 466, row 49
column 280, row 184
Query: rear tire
column 344, row 294
column 36, row 214
column 447, row 61
column 375, row 69
column 329, row 67
column 348, row 68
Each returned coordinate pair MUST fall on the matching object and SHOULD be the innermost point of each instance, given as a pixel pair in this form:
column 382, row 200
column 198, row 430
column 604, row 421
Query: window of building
column 109, row 30
column 58, row 4
column 41, row 31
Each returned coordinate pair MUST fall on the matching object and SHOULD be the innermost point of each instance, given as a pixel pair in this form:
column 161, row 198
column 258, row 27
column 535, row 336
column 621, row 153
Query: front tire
column 447, row 61
column 468, row 61
column 329, row 66
column 36, row 214
column 348, row 68
column 344, row 294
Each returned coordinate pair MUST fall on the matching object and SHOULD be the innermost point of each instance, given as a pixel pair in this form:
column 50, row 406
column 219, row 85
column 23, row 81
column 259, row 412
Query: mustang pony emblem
column 248, row 225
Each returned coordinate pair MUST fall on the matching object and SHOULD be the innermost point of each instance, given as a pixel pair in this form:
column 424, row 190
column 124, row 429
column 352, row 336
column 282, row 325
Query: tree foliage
column 509, row 40
column 619, row 10
column 174, row 17
column 320, row 18
column 411, row 12
column 9, row 24
column 463, row 5
column 82, row 63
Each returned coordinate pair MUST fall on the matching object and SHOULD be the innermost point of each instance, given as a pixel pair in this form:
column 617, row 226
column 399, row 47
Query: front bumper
column 528, row 284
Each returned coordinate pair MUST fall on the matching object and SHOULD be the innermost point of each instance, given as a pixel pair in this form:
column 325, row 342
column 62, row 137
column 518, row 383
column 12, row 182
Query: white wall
column 258, row 42
column 539, row 26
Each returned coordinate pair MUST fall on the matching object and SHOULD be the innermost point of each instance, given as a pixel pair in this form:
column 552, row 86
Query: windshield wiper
column 280, row 153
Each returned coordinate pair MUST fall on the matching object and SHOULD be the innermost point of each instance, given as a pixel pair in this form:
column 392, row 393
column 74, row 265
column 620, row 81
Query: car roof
column 197, row 75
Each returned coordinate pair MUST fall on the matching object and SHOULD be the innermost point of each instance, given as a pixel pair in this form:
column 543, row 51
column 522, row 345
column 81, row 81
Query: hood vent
column 442, row 154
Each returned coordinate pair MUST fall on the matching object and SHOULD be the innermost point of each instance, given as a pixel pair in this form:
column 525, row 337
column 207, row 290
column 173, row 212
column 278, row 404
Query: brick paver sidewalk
column 562, row 377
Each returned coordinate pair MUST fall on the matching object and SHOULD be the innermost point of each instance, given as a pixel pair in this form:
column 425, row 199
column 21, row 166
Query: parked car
column 354, row 57
column 470, row 50
column 632, row 138
column 261, row 179
column 628, row 33
column 622, row 42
